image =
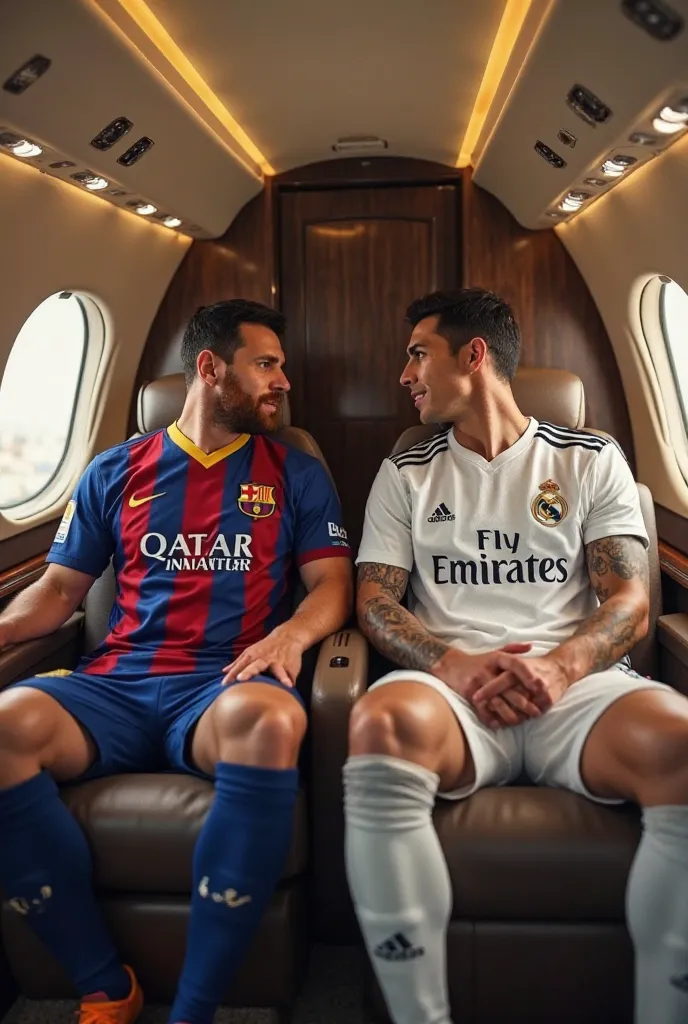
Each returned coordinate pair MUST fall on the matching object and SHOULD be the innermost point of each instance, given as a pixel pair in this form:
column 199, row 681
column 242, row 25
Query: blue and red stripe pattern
column 204, row 547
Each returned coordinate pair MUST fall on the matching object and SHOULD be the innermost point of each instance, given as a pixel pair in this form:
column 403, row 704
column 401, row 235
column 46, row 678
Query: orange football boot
column 122, row 1011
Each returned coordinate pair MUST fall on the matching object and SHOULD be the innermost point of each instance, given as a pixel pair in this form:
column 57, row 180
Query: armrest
column 43, row 653
column 672, row 633
column 340, row 678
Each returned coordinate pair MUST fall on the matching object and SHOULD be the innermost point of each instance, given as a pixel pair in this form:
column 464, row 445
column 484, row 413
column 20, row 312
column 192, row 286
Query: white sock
column 399, row 883
column 657, row 911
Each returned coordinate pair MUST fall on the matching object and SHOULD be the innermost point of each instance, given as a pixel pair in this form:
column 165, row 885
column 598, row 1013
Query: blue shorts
column 139, row 725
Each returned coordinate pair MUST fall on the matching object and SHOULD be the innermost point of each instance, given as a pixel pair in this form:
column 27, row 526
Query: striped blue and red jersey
column 205, row 548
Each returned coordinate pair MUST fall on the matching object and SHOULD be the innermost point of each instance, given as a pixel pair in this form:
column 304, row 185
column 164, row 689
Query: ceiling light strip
column 160, row 37
column 509, row 27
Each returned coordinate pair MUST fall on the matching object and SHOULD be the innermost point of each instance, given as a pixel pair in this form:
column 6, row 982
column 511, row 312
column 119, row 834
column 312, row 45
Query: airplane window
column 673, row 307
column 38, row 395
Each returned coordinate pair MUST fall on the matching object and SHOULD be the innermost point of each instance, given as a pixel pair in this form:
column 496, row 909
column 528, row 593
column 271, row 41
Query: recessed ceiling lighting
column 26, row 149
column 144, row 209
column 97, row 184
column 677, row 114
column 667, row 127
column 595, row 181
column 642, row 139
column 172, row 222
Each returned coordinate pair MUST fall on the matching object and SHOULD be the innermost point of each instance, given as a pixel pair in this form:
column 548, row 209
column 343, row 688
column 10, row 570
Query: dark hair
column 216, row 328
column 473, row 312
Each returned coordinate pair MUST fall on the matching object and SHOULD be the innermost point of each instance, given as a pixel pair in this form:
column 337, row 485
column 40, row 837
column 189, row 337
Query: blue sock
column 45, row 872
column 238, row 859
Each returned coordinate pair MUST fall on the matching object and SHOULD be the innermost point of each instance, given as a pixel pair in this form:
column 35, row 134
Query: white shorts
column 547, row 749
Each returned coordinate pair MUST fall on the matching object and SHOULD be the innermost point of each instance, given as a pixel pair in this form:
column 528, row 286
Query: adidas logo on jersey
column 397, row 948
column 441, row 515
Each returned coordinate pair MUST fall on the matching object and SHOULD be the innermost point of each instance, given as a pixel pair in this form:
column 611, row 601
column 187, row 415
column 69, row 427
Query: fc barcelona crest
column 257, row 500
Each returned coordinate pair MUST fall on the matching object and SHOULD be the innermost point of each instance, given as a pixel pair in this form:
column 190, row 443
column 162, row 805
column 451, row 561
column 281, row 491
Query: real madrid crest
column 257, row 500
column 549, row 507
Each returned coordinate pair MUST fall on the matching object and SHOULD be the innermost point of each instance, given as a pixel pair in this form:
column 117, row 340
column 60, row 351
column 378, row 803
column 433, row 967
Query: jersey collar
column 206, row 460
column 506, row 456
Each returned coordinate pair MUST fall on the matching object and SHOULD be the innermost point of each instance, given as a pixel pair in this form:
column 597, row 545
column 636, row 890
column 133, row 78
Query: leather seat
column 142, row 827
column 537, row 929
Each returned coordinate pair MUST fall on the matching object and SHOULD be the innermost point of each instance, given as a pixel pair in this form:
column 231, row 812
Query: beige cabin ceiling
column 299, row 74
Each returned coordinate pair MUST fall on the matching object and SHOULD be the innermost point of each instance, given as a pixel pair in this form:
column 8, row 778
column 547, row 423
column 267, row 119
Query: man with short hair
column 523, row 550
column 204, row 522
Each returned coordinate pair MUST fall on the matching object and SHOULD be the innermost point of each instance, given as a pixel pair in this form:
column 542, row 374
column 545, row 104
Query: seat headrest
column 554, row 395
column 161, row 401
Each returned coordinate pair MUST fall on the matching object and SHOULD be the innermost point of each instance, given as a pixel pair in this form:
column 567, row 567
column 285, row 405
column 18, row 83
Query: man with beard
column 204, row 521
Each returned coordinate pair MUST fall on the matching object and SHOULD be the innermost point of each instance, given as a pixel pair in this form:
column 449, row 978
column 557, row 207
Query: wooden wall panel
column 352, row 261
column 239, row 265
column 559, row 321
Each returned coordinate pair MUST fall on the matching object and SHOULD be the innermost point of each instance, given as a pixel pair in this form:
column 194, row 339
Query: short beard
column 236, row 412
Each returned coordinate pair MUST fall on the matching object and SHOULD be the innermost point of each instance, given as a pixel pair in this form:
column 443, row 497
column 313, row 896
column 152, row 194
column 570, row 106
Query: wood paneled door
column 352, row 260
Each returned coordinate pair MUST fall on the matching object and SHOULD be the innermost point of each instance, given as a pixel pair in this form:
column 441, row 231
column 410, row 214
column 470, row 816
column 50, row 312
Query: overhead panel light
column 667, row 127
column 615, row 166
column 144, row 209
column 677, row 114
column 26, row 149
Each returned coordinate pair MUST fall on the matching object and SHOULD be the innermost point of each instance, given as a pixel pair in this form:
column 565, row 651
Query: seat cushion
column 525, row 853
column 142, row 830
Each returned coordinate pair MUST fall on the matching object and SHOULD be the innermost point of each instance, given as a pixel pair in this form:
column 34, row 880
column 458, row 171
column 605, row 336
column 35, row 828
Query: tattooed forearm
column 391, row 628
column 608, row 634
column 619, row 573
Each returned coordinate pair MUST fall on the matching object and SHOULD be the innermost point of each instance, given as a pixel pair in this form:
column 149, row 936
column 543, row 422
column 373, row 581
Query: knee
column 25, row 728
column 263, row 722
column 385, row 722
column 661, row 763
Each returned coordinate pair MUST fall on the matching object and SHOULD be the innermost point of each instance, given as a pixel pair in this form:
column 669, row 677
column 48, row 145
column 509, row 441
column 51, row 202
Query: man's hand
column 542, row 680
column 468, row 674
column 279, row 654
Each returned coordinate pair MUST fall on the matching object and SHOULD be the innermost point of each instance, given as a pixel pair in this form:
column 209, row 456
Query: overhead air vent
column 658, row 19
column 112, row 133
column 549, row 155
column 27, row 74
column 359, row 143
column 588, row 106
column 135, row 152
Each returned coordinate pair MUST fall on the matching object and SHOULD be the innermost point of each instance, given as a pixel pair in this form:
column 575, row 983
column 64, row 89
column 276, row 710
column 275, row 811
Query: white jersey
column 496, row 550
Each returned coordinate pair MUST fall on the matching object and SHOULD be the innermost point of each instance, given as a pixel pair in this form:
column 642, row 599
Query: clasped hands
column 503, row 687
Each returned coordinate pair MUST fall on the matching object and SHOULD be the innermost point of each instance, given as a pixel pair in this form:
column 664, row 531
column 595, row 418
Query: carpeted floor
column 332, row 994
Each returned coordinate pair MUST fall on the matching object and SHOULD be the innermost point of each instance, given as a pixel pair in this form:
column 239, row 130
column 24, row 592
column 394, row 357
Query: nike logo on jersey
column 134, row 502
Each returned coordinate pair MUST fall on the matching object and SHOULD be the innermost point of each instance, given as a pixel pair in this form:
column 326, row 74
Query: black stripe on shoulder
column 563, row 437
column 412, row 458
column 422, row 447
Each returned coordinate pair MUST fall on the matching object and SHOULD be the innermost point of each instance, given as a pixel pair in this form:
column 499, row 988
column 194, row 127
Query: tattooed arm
column 619, row 573
column 395, row 632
